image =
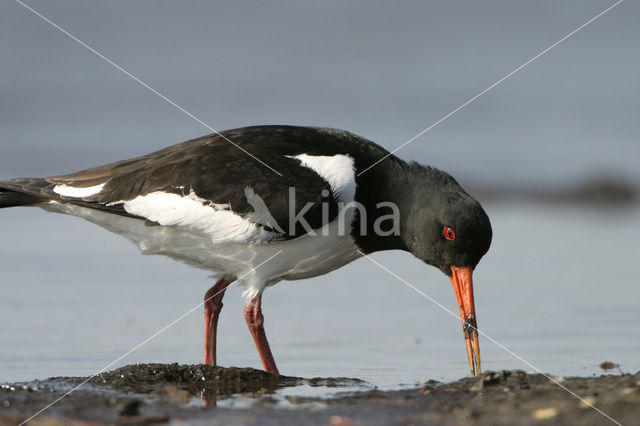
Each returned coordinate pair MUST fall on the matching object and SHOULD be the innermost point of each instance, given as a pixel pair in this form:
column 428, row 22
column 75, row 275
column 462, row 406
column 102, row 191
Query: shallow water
column 558, row 288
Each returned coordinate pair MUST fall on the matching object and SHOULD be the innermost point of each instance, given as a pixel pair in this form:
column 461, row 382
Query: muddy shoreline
column 204, row 395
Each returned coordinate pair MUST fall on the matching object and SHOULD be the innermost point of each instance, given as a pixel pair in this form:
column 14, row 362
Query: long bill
column 462, row 280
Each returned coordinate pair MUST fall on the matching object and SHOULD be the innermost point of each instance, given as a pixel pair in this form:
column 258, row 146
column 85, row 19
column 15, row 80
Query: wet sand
column 204, row 395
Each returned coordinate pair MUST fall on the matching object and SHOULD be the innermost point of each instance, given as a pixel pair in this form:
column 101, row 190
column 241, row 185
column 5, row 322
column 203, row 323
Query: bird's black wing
column 216, row 172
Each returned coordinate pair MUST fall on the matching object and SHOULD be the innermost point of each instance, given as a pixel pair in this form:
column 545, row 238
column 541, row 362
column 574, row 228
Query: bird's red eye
column 449, row 233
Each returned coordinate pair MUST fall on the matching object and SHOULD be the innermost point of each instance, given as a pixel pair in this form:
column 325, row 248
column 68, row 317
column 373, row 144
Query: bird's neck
column 385, row 204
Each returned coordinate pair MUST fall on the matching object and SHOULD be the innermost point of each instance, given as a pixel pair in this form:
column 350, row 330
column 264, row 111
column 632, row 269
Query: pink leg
column 212, row 308
column 255, row 321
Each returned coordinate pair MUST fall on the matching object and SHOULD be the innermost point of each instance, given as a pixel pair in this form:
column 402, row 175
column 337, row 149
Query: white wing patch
column 195, row 214
column 72, row 191
column 337, row 170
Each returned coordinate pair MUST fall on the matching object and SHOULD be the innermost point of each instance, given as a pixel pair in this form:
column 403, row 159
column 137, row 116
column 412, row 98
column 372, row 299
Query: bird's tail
column 12, row 198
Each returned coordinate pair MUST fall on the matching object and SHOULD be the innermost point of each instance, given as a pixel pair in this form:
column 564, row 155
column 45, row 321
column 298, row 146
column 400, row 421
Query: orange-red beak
column 462, row 281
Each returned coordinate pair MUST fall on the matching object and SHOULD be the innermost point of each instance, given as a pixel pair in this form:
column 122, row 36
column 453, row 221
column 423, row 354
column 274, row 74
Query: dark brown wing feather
column 215, row 170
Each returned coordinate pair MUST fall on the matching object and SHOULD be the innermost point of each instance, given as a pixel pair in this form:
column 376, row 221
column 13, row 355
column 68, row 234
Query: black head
column 444, row 225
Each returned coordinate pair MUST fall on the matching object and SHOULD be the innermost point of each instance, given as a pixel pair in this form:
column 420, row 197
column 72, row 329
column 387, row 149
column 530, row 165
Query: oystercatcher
column 303, row 203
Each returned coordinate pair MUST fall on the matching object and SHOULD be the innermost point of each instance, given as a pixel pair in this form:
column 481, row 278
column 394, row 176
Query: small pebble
column 7, row 403
column 339, row 421
column 545, row 413
column 608, row 365
column 477, row 386
column 587, row 402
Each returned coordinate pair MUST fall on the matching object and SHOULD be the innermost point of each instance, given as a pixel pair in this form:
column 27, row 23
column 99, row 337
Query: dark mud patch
column 185, row 395
column 516, row 398
column 203, row 381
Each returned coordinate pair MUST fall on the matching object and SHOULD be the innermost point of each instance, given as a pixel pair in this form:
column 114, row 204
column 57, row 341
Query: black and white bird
column 316, row 206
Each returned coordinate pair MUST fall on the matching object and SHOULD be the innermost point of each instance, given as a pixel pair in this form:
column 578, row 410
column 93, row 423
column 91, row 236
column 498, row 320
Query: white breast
column 212, row 237
column 255, row 265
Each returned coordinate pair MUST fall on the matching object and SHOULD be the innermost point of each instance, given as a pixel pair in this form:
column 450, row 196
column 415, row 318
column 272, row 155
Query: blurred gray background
column 558, row 287
column 384, row 70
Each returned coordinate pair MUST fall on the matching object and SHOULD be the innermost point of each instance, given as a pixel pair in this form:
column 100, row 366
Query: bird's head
column 447, row 228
